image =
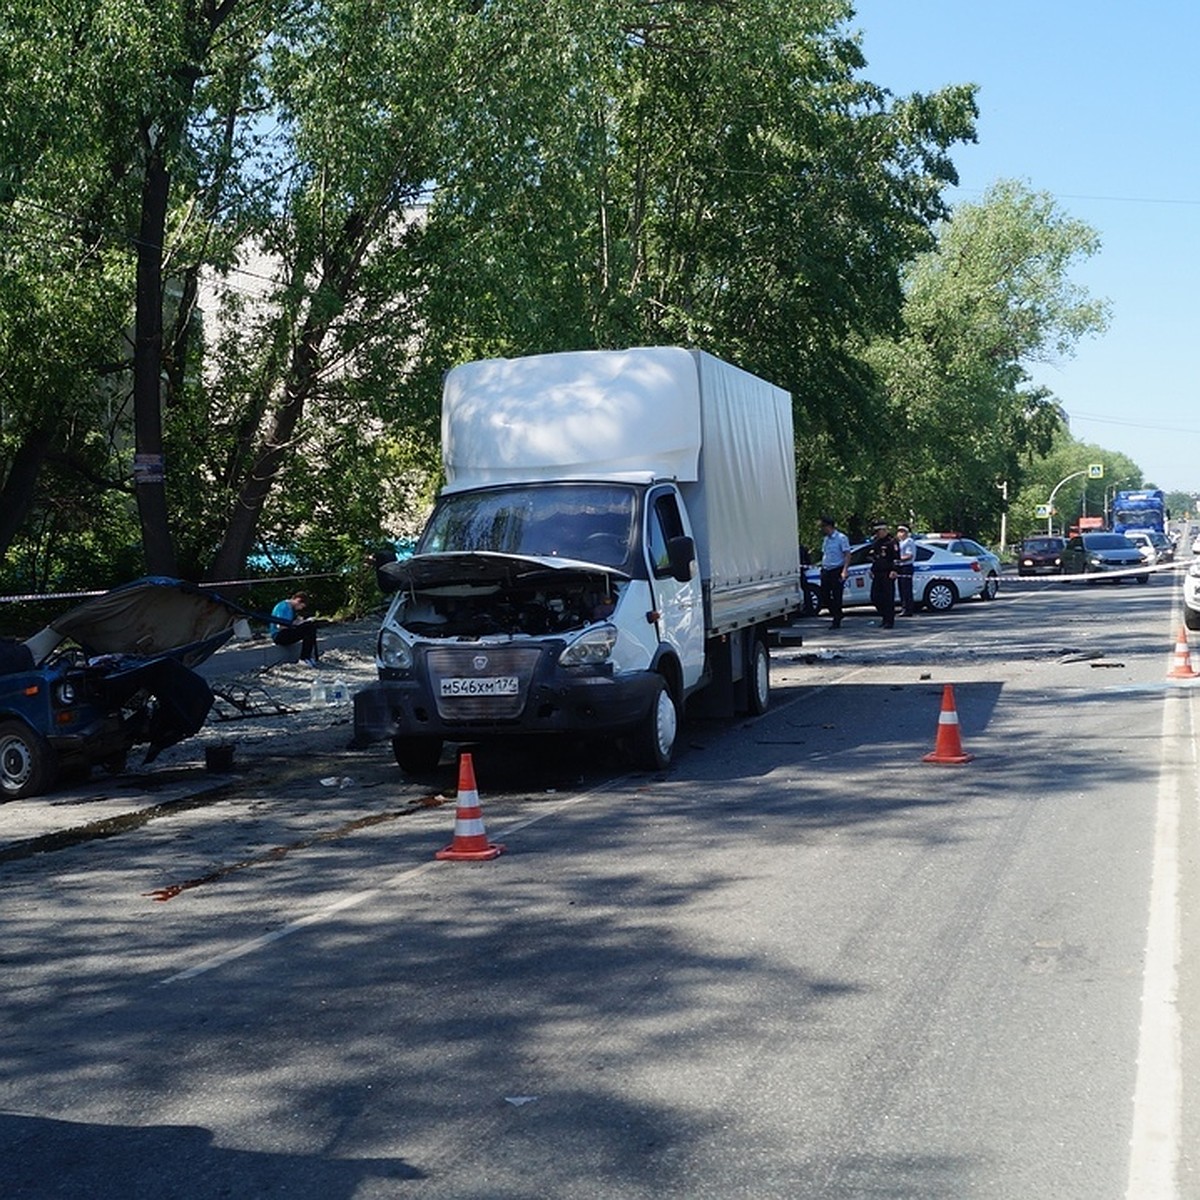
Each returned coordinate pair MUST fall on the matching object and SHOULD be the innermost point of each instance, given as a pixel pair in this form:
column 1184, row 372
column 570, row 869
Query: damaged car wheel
column 26, row 761
column 417, row 755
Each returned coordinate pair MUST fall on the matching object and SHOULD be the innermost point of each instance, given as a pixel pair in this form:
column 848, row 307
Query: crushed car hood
column 151, row 617
column 482, row 568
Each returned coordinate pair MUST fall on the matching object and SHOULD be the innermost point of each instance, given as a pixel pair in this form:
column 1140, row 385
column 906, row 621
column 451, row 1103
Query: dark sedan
column 1038, row 554
column 1103, row 554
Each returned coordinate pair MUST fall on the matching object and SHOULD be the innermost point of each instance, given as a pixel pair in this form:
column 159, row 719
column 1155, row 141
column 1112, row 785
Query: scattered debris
column 235, row 699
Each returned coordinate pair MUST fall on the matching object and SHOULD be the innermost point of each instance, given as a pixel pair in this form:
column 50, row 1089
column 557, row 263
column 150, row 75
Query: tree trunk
column 16, row 497
column 149, row 470
column 273, row 451
column 341, row 264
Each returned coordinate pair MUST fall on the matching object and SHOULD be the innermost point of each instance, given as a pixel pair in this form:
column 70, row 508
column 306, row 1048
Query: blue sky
column 1099, row 106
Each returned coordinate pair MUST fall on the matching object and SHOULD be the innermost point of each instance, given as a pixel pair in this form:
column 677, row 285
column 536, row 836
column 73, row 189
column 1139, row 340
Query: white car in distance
column 1191, row 594
column 1145, row 545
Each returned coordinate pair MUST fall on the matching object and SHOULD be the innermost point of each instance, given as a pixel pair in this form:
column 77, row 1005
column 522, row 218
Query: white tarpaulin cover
column 744, row 505
column 654, row 412
column 591, row 413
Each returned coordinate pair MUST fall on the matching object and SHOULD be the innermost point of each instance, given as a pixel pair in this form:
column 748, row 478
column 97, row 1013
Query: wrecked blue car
column 112, row 673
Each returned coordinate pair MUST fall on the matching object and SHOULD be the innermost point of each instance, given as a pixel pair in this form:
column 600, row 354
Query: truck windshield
column 1147, row 514
column 591, row 522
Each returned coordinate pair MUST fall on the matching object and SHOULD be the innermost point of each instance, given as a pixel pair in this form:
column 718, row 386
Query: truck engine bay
column 477, row 595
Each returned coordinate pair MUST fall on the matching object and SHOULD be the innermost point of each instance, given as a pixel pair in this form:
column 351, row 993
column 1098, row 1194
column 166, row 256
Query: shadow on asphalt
column 46, row 1157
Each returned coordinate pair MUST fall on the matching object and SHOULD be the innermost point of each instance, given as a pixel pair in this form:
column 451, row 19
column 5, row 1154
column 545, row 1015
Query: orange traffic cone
column 948, row 747
column 1182, row 667
column 470, row 840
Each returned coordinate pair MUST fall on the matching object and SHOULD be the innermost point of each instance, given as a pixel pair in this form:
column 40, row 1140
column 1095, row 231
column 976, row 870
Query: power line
column 1131, row 424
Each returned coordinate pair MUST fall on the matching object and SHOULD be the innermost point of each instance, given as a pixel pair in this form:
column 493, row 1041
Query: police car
column 940, row 580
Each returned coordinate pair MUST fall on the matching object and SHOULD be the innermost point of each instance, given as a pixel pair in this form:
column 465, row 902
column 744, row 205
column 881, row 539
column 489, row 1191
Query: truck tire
column 940, row 595
column 26, row 762
column 758, row 679
column 417, row 755
column 652, row 743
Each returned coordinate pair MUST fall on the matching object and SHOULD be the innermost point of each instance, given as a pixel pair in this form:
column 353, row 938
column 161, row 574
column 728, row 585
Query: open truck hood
column 148, row 618
column 483, row 568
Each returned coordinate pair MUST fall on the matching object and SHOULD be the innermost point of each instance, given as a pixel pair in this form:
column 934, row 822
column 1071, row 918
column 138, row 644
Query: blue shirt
column 286, row 614
column 834, row 548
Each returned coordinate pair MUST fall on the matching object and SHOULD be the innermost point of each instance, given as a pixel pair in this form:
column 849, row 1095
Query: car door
column 857, row 587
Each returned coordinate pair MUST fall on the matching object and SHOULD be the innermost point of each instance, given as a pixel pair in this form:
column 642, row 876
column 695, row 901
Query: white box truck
column 616, row 533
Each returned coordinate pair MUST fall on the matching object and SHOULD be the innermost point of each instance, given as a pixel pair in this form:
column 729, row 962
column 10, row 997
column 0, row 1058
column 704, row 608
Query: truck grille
column 475, row 683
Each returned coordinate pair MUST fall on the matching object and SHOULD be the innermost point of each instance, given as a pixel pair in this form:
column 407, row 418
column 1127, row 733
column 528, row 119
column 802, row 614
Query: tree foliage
column 993, row 297
column 271, row 226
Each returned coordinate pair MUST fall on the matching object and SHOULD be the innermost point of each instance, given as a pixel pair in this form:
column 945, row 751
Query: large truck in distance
column 616, row 534
column 1140, row 510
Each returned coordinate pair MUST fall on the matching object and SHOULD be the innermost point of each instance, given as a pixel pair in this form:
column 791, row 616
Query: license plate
column 495, row 685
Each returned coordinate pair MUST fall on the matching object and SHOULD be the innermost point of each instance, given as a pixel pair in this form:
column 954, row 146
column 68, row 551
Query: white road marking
column 1158, row 1092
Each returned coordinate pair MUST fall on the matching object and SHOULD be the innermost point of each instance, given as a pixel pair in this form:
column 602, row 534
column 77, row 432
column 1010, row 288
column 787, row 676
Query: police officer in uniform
column 884, row 556
column 835, row 566
column 904, row 571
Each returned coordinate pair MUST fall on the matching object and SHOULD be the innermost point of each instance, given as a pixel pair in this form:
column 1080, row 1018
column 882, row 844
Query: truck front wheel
column 417, row 755
column 653, row 741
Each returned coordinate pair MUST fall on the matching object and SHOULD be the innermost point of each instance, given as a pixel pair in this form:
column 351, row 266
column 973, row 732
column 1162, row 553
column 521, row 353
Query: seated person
column 289, row 626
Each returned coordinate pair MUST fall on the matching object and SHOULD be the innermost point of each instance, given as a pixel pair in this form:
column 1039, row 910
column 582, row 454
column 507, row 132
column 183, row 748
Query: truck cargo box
column 724, row 435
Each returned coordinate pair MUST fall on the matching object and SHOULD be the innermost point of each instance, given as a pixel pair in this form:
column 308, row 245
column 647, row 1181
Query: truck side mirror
column 681, row 554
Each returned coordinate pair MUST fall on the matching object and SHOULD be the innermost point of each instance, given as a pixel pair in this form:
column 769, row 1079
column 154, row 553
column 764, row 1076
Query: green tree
column 1181, row 505
column 994, row 296
column 694, row 173
column 115, row 171
column 603, row 174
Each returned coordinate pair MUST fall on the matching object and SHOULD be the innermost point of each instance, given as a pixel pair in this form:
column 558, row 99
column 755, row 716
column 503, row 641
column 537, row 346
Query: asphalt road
column 803, row 963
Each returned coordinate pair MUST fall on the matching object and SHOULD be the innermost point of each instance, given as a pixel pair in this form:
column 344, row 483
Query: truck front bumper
column 560, row 703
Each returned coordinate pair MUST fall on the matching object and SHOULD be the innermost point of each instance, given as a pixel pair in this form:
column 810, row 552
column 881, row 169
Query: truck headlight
column 64, row 692
column 591, row 648
column 394, row 651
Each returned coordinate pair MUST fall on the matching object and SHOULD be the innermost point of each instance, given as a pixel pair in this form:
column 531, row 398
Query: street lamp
column 1050, row 502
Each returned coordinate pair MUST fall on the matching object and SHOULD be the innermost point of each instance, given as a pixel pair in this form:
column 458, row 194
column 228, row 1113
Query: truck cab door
column 678, row 603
